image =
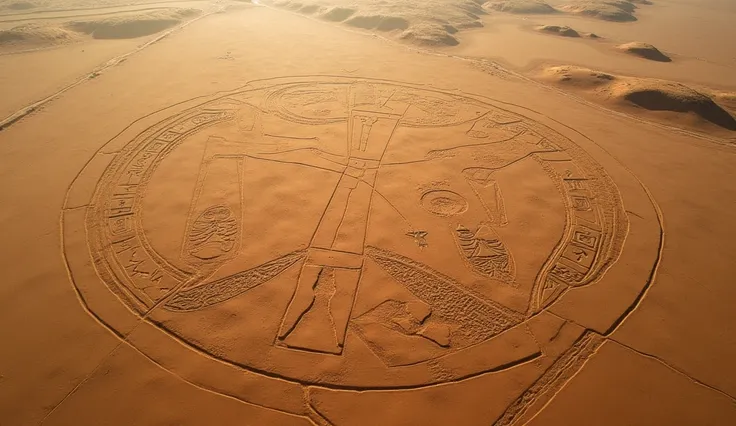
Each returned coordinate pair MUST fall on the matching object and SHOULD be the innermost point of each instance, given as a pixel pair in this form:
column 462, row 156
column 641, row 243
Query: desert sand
column 356, row 212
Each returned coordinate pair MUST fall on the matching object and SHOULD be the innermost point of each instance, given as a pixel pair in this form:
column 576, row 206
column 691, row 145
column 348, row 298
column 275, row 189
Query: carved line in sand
column 331, row 266
column 596, row 230
column 485, row 253
column 121, row 254
column 478, row 319
column 553, row 379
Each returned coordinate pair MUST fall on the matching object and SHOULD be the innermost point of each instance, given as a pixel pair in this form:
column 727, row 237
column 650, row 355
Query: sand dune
column 564, row 31
column 430, row 35
column 378, row 22
column 608, row 10
column 726, row 100
column 131, row 26
column 435, row 22
column 432, row 24
column 33, row 35
column 678, row 102
column 335, row 14
column 41, row 35
column 520, row 6
column 644, row 50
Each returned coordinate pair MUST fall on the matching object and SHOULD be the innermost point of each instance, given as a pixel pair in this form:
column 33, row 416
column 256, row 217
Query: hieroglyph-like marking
column 121, row 253
column 489, row 193
column 485, row 252
column 213, row 233
column 208, row 294
column 595, row 230
column 479, row 319
column 420, row 238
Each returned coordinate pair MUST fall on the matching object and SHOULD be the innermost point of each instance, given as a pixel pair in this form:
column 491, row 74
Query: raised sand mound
column 378, row 22
column 558, row 30
column 649, row 94
column 644, row 50
column 337, row 14
column 309, row 9
column 727, row 100
column 34, row 35
column 520, row 6
column 657, row 95
column 607, row 10
column 131, row 26
column 430, row 35
column 432, row 23
column 576, row 77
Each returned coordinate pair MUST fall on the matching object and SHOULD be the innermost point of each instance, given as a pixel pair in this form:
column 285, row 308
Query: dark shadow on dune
column 704, row 107
column 656, row 56
column 647, row 52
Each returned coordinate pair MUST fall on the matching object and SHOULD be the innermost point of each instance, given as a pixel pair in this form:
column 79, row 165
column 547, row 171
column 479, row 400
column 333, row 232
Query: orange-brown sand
column 354, row 212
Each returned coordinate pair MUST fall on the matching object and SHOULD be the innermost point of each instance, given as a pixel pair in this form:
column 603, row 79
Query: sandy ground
column 233, row 213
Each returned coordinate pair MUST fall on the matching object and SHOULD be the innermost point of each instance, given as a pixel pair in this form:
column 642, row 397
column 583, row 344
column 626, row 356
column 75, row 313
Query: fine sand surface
column 353, row 212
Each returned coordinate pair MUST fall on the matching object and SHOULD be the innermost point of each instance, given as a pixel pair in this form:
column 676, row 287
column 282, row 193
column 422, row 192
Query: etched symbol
column 566, row 274
column 213, row 233
column 580, row 254
column 586, row 237
column 485, row 253
column 482, row 129
column 489, row 193
column 420, row 237
column 444, row 203
column 575, row 184
column 389, row 328
column 311, row 324
column 476, row 319
column 581, row 203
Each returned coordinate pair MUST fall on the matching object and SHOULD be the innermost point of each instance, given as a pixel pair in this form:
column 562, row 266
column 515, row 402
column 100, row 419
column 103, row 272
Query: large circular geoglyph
column 354, row 234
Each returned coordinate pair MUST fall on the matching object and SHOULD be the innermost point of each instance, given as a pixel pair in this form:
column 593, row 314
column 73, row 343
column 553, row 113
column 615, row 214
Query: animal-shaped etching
column 213, row 233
